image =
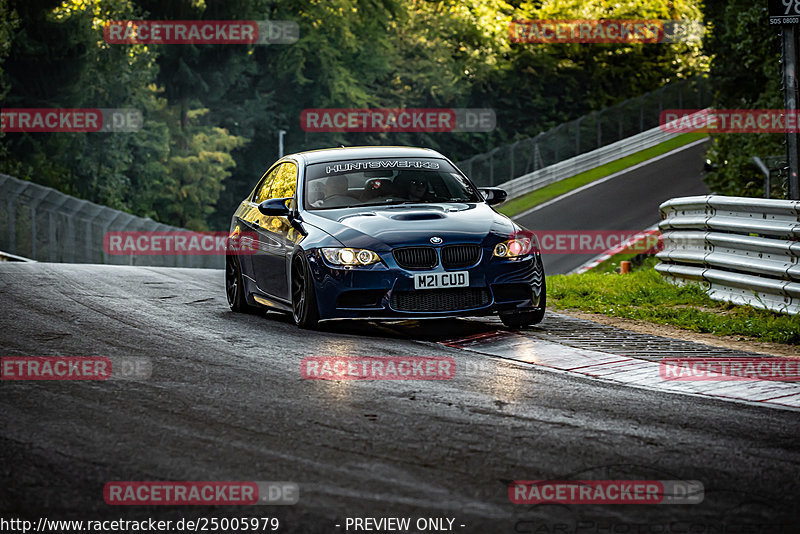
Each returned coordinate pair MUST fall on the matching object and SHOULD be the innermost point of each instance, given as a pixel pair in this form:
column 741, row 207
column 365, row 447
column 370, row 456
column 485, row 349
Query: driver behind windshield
column 336, row 191
column 382, row 187
column 414, row 188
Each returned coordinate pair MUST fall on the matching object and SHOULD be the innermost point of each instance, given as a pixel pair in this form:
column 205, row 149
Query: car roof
column 365, row 152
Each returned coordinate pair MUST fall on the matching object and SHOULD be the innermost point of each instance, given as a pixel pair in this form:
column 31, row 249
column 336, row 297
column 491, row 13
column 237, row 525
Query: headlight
column 350, row 256
column 518, row 246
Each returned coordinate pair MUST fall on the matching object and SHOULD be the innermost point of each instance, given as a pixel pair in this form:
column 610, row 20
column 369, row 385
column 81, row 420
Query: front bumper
column 386, row 291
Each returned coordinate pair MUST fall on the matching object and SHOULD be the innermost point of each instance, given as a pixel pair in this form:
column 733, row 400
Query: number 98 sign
column 784, row 11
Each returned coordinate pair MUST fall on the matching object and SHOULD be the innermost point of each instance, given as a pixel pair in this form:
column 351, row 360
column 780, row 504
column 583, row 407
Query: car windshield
column 386, row 181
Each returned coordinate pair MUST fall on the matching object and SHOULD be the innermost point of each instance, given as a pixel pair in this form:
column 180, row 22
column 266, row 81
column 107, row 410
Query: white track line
column 607, row 178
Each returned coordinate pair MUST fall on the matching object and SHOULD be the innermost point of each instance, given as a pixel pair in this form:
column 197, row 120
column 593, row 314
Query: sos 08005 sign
column 784, row 11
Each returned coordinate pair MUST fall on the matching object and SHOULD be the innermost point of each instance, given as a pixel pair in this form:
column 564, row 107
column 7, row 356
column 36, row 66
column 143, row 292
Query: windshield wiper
column 421, row 202
column 392, row 203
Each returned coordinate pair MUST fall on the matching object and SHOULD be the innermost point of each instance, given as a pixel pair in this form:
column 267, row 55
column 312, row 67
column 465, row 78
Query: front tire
column 304, row 298
column 519, row 320
column 234, row 288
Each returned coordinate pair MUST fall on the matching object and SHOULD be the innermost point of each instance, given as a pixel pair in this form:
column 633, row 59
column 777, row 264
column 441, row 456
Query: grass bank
column 644, row 295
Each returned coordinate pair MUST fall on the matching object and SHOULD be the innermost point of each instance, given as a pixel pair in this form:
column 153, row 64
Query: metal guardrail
column 743, row 250
column 585, row 134
column 5, row 256
column 43, row 224
column 584, row 162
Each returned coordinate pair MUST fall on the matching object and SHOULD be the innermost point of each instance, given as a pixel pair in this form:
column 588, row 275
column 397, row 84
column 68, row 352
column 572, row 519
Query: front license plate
column 441, row 280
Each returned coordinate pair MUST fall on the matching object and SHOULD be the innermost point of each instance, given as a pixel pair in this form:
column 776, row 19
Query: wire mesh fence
column 586, row 133
column 43, row 224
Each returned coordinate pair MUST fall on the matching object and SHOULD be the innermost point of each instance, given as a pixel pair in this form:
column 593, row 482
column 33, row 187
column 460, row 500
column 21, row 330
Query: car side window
column 262, row 192
column 285, row 182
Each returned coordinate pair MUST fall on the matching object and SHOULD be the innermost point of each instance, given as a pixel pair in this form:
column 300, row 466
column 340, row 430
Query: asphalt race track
column 226, row 402
column 627, row 202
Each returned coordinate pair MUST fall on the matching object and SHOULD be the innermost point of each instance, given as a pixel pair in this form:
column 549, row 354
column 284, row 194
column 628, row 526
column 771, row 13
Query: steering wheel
column 345, row 200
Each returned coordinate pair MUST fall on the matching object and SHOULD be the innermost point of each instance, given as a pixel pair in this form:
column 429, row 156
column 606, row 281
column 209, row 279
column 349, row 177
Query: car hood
column 382, row 228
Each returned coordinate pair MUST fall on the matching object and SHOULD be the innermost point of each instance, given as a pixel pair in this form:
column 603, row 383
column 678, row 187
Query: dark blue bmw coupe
column 380, row 233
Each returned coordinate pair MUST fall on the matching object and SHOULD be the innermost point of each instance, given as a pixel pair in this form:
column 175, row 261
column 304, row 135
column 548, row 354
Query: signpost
column 281, row 133
column 787, row 14
column 784, row 11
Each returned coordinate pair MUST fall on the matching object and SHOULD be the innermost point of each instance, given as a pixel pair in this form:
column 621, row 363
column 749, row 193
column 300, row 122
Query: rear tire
column 519, row 320
column 234, row 288
column 304, row 299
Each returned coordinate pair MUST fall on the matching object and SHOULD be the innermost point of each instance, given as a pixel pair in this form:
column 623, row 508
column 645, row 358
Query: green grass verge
column 644, row 295
column 612, row 264
column 635, row 253
column 549, row 192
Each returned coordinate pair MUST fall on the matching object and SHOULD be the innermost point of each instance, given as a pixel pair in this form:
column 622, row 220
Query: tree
column 212, row 113
column 745, row 74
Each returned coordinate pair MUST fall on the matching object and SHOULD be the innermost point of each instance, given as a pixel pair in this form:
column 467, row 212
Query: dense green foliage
column 212, row 112
column 745, row 74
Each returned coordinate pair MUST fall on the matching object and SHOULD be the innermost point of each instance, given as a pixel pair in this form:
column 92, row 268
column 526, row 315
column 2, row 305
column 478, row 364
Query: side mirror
column 275, row 206
column 493, row 195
